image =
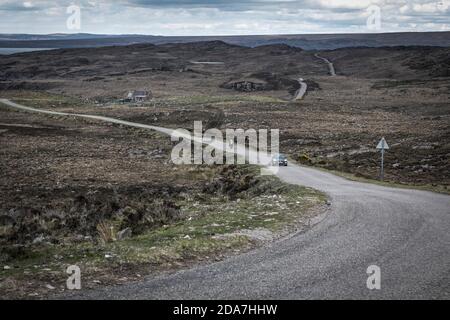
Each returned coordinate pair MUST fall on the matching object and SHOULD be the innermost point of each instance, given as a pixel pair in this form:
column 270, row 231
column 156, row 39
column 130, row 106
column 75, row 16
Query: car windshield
column 279, row 157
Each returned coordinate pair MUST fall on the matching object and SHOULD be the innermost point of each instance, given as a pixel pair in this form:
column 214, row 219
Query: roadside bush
column 238, row 182
column 106, row 232
column 304, row 159
column 98, row 214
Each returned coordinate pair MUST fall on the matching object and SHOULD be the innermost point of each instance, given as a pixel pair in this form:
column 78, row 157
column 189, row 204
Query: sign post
column 382, row 145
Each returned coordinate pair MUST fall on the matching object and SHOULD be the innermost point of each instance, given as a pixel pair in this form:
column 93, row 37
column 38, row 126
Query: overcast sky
column 223, row 17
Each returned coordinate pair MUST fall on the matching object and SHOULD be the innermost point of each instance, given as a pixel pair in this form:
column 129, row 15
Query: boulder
column 124, row 234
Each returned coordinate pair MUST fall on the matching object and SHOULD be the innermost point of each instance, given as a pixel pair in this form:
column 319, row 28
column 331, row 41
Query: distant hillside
column 392, row 62
column 147, row 59
column 305, row 41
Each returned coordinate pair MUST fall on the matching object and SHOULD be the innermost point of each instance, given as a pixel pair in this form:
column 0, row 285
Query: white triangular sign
column 382, row 144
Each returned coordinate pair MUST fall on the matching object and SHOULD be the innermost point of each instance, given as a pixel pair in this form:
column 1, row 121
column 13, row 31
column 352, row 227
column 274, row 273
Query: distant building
column 138, row 96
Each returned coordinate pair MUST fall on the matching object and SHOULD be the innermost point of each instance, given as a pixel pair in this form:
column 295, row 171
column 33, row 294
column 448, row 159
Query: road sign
column 382, row 145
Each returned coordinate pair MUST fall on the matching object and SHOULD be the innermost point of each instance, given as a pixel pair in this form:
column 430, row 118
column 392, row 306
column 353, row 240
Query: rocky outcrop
column 246, row 86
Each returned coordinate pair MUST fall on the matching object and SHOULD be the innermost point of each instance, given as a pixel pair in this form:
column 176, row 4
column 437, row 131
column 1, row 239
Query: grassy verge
column 50, row 101
column 214, row 225
column 200, row 99
column 386, row 183
column 38, row 99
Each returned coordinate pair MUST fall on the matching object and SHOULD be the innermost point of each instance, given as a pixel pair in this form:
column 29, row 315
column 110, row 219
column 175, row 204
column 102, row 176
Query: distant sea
column 18, row 50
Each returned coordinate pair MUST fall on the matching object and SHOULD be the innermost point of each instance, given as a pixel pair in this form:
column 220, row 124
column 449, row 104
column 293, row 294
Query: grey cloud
column 17, row 6
column 224, row 5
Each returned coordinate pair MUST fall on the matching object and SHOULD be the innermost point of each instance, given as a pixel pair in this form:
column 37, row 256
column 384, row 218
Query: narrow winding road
column 404, row 232
column 300, row 93
column 331, row 69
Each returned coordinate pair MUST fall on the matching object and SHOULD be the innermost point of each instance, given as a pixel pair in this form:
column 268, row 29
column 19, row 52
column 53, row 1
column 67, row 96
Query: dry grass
column 106, row 232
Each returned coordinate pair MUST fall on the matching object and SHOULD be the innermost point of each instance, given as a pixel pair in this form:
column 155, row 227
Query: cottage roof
column 140, row 93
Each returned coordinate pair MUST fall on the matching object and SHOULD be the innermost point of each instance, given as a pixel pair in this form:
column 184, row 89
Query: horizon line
column 224, row 35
